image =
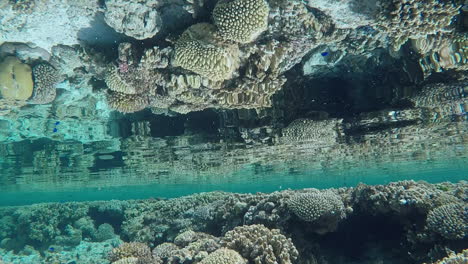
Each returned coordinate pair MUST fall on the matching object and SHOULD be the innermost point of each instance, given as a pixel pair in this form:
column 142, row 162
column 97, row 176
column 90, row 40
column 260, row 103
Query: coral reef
column 45, row 79
column 223, row 255
column 404, row 19
column 449, row 220
column 132, row 250
column 241, row 20
column 459, row 258
column 135, row 19
column 196, row 50
column 261, row 244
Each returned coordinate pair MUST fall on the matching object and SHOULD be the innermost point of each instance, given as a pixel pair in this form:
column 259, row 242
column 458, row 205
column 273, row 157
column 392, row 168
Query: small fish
column 324, row 53
column 55, row 130
column 51, row 249
column 57, row 123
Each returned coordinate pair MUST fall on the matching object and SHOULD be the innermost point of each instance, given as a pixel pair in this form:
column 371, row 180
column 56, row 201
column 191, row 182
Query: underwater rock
column 136, row 19
column 15, row 79
column 46, row 23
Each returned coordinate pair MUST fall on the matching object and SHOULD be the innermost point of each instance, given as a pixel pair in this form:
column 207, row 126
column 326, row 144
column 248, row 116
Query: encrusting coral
column 241, row 20
column 16, row 81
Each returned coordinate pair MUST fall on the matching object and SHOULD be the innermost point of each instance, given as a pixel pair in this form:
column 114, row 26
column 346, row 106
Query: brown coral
column 129, row 250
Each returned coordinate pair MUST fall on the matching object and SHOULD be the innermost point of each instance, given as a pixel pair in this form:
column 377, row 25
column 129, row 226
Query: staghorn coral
column 198, row 50
column 241, row 20
column 135, row 19
column 224, row 256
column 15, row 79
column 129, row 250
column 260, row 244
column 450, row 220
column 45, row 79
column 404, row 19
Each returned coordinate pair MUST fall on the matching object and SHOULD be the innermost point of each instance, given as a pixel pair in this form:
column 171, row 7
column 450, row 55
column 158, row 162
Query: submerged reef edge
column 418, row 221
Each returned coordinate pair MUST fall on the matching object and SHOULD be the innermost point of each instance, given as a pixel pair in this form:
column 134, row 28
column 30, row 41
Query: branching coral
column 261, row 245
column 241, row 20
column 130, row 250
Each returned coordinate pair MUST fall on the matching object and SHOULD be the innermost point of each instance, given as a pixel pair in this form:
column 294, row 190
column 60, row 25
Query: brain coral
column 45, row 78
column 311, row 207
column 450, row 220
column 241, row 20
column 15, row 79
column 198, row 50
column 224, row 256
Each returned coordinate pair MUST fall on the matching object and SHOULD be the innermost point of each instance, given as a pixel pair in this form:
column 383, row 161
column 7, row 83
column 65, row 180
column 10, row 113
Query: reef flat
column 401, row 222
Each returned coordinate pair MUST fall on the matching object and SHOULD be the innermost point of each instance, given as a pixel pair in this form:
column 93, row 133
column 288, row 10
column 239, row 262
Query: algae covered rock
column 16, row 81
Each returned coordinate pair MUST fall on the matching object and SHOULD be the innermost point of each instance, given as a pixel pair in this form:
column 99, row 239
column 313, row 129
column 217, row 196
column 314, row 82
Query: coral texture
column 197, row 50
column 225, row 256
column 129, row 250
column 404, row 19
column 460, row 258
column 261, row 245
column 241, row 20
column 315, row 206
column 135, row 19
column 15, row 79
column 450, row 220
column 45, row 79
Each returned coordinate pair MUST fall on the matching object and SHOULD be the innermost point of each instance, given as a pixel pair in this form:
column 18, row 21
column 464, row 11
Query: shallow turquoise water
column 247, row 180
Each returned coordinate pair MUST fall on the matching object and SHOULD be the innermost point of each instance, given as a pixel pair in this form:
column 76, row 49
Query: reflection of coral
column 403, row 19
column 134, row 19
column 442, row 52
column 127, row 103
column 197, row 50
column 241, row 20
column 15, row 79
column 450, row 220
column 45, row 79
column 460, row 258
column 260, row 244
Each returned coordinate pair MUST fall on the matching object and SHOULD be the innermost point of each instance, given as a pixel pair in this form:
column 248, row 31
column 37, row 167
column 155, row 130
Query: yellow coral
column 198, row 50
column 225, row 256
column 15, row 79
column 241, row 20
